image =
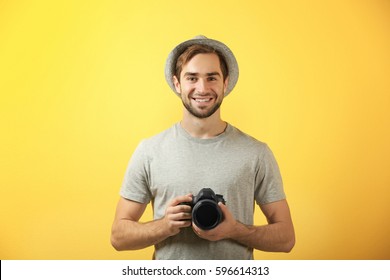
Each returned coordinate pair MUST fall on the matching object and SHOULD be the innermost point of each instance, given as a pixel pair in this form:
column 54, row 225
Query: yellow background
column 82, row 83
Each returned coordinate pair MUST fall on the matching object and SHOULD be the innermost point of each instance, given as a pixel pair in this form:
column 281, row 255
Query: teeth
column 202, row 100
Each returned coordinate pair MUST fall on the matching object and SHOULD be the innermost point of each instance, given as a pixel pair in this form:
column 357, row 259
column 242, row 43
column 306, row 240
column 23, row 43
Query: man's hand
column 223, row 231
column 277, row 236
column 129, row 234
column 177, row 216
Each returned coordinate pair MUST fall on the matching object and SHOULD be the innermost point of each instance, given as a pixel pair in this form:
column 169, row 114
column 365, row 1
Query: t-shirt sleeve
column 269, row 184
column 135, row 185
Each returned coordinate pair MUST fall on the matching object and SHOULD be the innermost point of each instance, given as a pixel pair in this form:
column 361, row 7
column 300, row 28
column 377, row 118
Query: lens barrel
column 206, row 214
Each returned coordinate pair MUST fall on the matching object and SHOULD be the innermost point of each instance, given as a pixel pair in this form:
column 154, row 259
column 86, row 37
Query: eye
column 191, row 79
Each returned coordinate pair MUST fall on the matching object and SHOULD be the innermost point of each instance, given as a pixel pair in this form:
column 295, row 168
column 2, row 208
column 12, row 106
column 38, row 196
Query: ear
column 225, row 84
column 177, row 84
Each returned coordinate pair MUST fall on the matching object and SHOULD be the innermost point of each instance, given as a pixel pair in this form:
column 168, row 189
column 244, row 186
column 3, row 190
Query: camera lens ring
column 206, row 214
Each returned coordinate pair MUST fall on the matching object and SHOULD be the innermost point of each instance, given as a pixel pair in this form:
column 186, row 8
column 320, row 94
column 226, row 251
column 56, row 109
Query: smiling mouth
column 202, row 100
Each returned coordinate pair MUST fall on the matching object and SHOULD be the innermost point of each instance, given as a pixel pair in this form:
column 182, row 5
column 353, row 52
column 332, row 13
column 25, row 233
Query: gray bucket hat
column 231, row 61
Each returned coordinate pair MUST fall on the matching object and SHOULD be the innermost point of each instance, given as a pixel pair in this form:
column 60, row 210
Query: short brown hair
column 193, row 50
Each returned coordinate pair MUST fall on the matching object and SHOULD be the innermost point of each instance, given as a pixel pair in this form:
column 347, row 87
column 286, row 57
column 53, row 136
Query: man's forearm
column 277, row 237
column 132, row 235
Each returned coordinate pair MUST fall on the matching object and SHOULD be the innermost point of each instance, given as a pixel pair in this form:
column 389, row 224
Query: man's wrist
column 240, row 231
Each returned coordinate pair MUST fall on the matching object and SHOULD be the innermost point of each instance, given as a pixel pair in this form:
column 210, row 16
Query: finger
column 224, row 209
column 178, row 209
column 183, row 208
column 182, row 216
column 196, row 229
column 179, row 199
column 202, row 233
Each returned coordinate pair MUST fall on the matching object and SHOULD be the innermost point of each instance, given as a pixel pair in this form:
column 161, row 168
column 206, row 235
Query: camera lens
column 206, row 214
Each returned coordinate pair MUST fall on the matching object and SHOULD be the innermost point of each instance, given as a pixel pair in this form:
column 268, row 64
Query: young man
column 202, row 151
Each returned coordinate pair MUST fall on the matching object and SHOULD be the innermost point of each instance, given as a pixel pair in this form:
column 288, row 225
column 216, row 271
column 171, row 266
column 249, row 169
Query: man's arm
column 277, row 236
column 129, row 234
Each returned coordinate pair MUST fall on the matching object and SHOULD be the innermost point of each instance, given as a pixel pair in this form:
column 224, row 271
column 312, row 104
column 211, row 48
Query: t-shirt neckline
column 223, row 135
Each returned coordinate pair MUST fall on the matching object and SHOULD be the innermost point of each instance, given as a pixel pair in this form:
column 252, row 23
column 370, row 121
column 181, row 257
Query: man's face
column 201, row 85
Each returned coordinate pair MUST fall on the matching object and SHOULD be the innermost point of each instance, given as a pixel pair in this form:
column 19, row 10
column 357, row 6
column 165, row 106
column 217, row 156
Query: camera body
column 206, row 213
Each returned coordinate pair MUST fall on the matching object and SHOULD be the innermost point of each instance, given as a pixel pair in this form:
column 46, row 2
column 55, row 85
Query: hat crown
column 200, row 37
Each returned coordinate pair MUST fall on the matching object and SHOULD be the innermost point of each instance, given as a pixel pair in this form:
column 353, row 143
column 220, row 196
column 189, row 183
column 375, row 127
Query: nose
column 202, row 86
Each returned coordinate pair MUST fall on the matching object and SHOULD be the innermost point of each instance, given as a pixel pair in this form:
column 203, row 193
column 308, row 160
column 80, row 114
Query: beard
column 200, row 112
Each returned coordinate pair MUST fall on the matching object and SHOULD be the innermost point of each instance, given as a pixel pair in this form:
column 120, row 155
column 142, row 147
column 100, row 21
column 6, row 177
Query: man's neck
column 203, row 128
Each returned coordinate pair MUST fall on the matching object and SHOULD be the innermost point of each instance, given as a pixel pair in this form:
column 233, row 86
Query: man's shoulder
column 247, row 139
column 161, row 137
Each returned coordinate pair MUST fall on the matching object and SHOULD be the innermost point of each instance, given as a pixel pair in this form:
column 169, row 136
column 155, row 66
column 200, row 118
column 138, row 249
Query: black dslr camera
column 206, row 213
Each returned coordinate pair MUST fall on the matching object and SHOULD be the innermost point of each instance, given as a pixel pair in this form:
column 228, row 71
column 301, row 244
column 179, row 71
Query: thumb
column 224, row 209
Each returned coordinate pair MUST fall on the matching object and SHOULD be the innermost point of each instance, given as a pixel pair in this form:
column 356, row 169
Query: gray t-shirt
column 233, row 164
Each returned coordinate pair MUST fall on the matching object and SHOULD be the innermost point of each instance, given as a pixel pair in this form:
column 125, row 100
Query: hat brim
column 230, row 59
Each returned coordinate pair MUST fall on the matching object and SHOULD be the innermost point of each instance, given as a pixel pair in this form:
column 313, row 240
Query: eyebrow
column 197, row 74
